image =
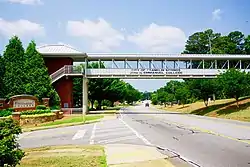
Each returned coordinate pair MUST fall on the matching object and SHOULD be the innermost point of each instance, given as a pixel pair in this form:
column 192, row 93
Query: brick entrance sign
column 23, row 102
column 3, row 104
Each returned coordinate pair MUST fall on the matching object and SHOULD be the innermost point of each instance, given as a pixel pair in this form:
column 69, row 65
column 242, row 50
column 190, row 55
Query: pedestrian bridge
column 157, row 66
column 59, row 60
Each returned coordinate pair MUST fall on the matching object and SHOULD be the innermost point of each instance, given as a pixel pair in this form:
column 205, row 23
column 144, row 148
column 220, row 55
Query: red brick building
column 56, row 58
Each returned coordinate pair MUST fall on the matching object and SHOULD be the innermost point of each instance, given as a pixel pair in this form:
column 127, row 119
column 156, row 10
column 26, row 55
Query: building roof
column 61, row 50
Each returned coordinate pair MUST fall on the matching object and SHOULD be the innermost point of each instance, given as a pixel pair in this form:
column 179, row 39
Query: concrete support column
column 84, row 96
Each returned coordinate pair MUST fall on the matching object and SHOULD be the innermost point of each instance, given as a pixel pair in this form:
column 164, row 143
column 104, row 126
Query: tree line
column 231, row 84
column 104, row 91
column 24, row 72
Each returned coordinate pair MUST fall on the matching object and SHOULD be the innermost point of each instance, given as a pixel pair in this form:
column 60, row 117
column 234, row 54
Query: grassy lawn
column 73, row 119
column 64, row 156
column 65, row 121
column 225, row 108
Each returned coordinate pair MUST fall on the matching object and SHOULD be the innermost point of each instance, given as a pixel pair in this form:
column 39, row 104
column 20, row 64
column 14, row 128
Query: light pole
column 210, row 49
column 210, row 45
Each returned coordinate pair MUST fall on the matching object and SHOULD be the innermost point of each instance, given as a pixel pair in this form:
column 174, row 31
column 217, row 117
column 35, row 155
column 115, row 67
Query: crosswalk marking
column 113, row 133
column 79, row 134
column 117, row 139
column 93, row 135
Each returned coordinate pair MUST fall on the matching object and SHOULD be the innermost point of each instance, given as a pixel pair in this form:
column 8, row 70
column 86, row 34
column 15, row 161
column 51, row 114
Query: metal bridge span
column 136, row 66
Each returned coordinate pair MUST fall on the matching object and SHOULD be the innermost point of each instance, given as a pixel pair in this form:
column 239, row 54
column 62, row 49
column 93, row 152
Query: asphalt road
column 201, row 141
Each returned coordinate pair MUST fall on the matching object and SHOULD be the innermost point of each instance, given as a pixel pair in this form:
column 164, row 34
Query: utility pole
column 210, row 49
column 210, row 45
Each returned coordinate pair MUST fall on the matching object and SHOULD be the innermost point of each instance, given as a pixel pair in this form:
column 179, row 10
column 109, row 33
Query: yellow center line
column 204, row 130
column 240, row 126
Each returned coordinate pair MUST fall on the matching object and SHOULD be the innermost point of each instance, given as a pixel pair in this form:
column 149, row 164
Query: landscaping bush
column 55, row 107
column 6, row 112
column 10, row 153
column 40, row 107
column 113, row 108
column 37, row 115
column 34, row 112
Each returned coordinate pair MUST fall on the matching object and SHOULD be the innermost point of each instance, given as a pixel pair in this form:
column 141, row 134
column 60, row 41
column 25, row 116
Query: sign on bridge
column 155, row 72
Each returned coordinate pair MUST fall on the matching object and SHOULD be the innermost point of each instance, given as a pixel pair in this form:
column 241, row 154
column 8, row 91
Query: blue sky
column 121, row 25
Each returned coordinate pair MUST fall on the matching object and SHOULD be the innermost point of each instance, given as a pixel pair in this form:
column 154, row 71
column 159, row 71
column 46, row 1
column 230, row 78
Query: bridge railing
column 58, row 74
column 67, row 69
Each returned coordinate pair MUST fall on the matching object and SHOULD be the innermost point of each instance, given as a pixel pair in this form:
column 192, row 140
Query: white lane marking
column 117, row 139
column 23, row 135
column 135, row 132
column 79, row 134
column 92, row 135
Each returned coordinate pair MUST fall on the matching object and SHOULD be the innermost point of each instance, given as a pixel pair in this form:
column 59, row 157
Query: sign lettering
column 24, row 103
column 155, row 72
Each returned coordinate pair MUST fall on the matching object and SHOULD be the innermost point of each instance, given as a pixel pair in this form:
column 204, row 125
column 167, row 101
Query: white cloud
column 155, row 38
column 21, row 28
column 100, row 33
column 217, row 14
column 27, row 2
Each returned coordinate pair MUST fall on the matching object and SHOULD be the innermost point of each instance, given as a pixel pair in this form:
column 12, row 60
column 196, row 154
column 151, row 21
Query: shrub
column 10, row 109
column 10, row 153
column 37, row 115
column 5, row 113
column 40, row 107
column 34, row 112
column 55, row 107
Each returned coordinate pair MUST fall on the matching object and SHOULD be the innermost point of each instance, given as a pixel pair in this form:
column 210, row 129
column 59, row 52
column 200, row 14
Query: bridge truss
column 130, row 66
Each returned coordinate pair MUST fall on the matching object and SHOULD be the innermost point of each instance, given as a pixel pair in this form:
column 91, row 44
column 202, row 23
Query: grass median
column 73, row 119
column 65, row 121
column 64, row 156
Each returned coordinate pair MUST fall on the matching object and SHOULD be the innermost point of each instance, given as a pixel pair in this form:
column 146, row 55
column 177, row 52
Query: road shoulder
column 123, row 155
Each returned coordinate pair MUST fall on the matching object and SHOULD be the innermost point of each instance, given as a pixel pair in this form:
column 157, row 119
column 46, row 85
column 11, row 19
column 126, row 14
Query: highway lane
column 202, row 141
column 105, row 132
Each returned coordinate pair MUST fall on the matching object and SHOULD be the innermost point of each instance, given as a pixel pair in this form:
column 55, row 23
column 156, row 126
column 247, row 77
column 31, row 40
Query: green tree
column 14, row 76
column 162, row 96
column 237, row 38
column 116, row 91
column 154, row 98
column 198, row 43
column 2, row 67
column 170, row 98
column 182, row 94
column 247, row 45
column 235, row 83
column 77, row 88
column 131, row 94
column 202, row 88
column 10, row 153
column 38, row 81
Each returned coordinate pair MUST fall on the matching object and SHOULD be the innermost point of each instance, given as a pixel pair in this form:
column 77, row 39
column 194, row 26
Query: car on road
column 147, row 105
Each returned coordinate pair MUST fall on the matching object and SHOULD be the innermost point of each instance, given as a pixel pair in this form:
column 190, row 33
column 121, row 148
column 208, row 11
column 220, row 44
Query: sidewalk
column 124, row 155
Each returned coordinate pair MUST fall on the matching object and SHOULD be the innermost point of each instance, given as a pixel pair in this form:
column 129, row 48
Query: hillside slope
column 225, row 108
